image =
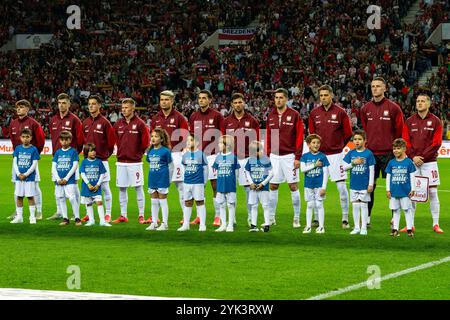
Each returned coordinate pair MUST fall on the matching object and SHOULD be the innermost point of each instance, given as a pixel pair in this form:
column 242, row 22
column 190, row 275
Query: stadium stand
column 139, row 50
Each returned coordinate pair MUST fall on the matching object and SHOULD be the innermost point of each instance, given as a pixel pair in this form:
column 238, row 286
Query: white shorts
column 159, row 190
column 194, row 191
column 404, row 203
column 25, row 188
column 283, row 169
column 336, row 168
column 178, row 169
column 242, row 177
column 430, row 170
column 313, row 194
column 359, row 195
column 258, row 196
column 90, row 200
column 229, row 197
column 212, row 173
column 129, row 175
column 107, row 177
column 68, row 191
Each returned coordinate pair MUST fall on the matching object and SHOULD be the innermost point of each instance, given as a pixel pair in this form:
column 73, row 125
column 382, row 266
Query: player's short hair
column 23, row 103
column 207, row 92
column 313, row 136
column 88, row 147
column 361, row 133
column 399, row 143
column 63, row 96
column 129, row 101
column 65, row 135
column 379, row 79
column 283, row 91
column 165, row 139
column 237, row 95
column 96, row 97
column 228, row 141
column 326, row 87
column 26, row 132
column 424, row 94
column 168, row 93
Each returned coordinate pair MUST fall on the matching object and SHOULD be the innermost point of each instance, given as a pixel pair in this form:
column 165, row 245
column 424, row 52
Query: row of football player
column 258, row 169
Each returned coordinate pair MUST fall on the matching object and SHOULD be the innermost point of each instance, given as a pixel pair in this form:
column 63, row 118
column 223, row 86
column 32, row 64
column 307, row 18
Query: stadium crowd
column 139, row 50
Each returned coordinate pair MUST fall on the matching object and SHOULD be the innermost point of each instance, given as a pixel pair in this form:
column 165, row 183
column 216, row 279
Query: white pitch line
column 386, row 277
column 28, row 294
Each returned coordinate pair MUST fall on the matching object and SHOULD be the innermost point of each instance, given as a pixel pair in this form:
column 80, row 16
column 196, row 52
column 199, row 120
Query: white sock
column 32, row 211
column 295, row 196
column 216, row 208
column 19, row 212
column 309, row 213
column 249, row 206
column 396, row 218
column 123, row 200
column 273, row 198
column 413, row 211
column 180, row 186
column 434, row 205
column 101, row 213
column 107, row 195
column 223, row 213
column 201, row 213
column 356, row 215
column 343, row 197
column 38, row 198
column 364, row 214
column 321, row 210
column 15, row 202
column 155, row 210
column 75, row 203
column 408, row 219
column 90, row 213
column 255, row 215
column 231, row 213
column 266, row 210
column 164, row 211
column 58, row 208
column 187, row 212
column 140, row 197
column 63, row 207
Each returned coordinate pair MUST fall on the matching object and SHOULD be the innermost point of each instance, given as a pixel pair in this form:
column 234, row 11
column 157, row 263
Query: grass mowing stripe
column 28, row 294
column 386, row 277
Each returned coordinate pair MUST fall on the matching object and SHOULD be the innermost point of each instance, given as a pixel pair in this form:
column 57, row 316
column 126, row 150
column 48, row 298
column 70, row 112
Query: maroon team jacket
column 242, row 128
column 175, row 120
column 69, row 122
column 423, row 136
column 132, row 138
column 100, row 132
column 17, row 125
column 210, row 119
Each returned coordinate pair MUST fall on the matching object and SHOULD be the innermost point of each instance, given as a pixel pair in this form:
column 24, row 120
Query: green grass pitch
column 281, row 264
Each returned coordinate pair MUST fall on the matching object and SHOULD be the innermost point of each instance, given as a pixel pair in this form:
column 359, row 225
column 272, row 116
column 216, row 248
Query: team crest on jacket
column 333, row 116
column 429, row 123
column 134, row 126
column 386, row 113
column 172, row 120
column 99, row 126
column 211, row 121
column 67, row 123
column 288, row 118
column 247, row 123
